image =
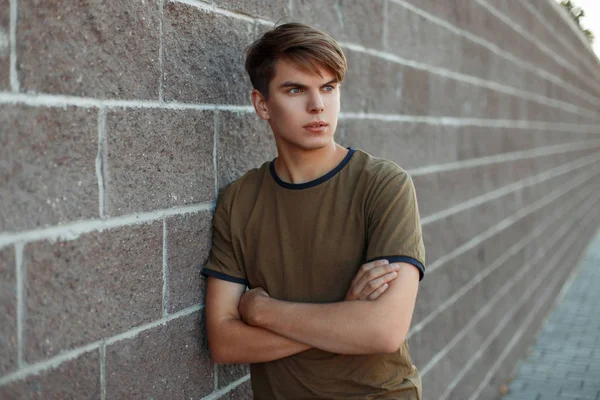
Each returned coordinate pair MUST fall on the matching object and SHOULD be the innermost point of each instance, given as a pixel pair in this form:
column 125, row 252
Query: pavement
column 564, row 362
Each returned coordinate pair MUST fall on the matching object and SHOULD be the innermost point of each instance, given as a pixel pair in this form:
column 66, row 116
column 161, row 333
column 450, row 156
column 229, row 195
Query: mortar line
column 50, row 100
column 518, row 333
column 71, row 354
column 102, row 350
column 100, row 160
column 165, row 273
column 217, row 394
column 161, row 53
column 215, row 150
column 20, row 274
column 211, row 7
column 456, row 121
column 557, row 58
column 505, row 223
column 565, row 45
column 480, row 276
column 504, row 157
column 512, row 187
column 73, row 230
column 14, row 75
column 216, row 375
column 499, row 295
column 497, row 50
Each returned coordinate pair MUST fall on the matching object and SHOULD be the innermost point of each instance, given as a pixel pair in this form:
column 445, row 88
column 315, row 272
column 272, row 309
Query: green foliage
column 577, row 13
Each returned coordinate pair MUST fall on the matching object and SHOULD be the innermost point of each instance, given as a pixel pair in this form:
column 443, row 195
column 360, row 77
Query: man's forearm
column 235, row 342
column 349, row 327
column 357, row 327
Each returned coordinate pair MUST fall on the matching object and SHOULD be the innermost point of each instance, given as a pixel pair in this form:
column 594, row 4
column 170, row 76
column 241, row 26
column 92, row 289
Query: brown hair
column 305, row 46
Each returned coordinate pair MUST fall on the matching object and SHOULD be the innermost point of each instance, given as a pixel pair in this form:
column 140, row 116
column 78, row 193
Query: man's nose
column 316, row 103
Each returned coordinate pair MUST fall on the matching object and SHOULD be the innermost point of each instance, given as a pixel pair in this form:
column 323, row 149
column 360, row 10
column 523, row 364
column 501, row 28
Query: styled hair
column 306, row 47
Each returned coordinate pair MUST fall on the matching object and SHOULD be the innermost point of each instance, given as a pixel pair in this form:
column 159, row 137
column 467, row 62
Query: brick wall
column 120, row 120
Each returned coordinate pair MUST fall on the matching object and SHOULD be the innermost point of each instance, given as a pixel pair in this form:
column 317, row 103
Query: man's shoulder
column 380, row 169
column 246, row 185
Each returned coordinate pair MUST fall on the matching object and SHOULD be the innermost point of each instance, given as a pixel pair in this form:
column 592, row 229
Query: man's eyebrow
column 287, row 84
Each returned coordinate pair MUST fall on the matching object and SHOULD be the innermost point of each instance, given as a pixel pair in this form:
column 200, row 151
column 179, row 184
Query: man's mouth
column 314, row 125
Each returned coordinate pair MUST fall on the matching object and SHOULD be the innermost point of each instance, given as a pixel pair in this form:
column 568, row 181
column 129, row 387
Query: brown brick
column 353, row 21
column 245, row 142
column 410, row 145
column 8, row 310
column 204, row 56
column 241, row 392
column 47, row 172
column 98, row 285
column 89, row 48
column 188, row 244
column 5, row 45
column 76, row 379
column 229, row 373
column 157, row 159
column 273, row 9
column 165, row 362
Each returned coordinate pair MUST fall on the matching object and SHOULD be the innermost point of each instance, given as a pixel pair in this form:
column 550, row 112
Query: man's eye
column 328, row 88
column 294, row 91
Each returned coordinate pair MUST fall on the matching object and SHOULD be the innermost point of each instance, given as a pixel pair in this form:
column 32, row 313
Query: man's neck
column 304, row 166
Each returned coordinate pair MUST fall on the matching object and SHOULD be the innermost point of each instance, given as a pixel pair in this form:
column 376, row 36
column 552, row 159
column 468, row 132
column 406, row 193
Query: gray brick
column 92, row 287
column 158, row 159
column 8, row 311
column 168, row 361
column 188, row 244
column 47, row 167
column 96, row 48
column 204, row 56
column 4, row 45
column 273, row 9
column 414, row 37
column 245, row 142
column 353, row 21
column 77, row 379
column 410, row 145
column 229, row 373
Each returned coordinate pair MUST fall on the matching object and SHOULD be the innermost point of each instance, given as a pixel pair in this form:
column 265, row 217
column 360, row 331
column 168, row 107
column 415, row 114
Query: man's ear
column 260, row 105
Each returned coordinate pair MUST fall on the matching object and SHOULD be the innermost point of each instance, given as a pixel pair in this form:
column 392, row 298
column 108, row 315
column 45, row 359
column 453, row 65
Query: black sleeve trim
column 405, row 259
column 224, row 277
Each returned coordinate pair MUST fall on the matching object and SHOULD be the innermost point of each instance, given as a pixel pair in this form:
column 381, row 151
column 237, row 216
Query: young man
column 327, row 238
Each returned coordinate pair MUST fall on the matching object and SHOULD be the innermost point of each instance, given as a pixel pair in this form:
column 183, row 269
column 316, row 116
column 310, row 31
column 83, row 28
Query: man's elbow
column 391, row 340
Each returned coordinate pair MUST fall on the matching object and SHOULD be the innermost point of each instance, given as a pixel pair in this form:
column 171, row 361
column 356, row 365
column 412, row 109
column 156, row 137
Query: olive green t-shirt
column 305, row 243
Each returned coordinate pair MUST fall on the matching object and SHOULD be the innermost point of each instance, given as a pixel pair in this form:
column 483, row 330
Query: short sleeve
column 222, row 263
column 393, row 224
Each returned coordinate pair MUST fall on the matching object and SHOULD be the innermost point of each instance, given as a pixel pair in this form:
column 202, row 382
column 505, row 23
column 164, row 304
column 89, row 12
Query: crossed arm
column 252, row 327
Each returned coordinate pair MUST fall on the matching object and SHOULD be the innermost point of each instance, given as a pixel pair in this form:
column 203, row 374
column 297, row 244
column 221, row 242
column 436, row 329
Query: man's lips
column 317, row 124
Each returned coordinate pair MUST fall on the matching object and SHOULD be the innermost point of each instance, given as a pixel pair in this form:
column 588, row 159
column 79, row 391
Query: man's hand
column 249, row 304
column 372, row 280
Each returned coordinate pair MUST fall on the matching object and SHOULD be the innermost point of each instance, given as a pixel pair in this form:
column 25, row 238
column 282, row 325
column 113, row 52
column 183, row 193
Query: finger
column 372, row 275
column 375, row 284
column 378, row 292
column 369, row 266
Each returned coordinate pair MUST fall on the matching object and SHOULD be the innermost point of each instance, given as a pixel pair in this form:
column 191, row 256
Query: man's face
column 303, row 107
